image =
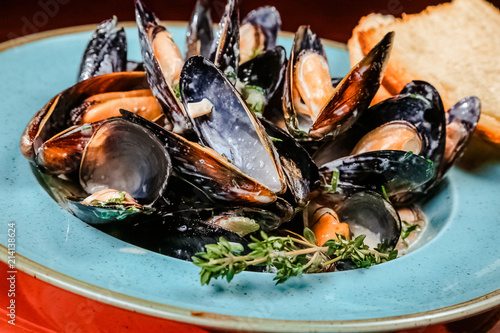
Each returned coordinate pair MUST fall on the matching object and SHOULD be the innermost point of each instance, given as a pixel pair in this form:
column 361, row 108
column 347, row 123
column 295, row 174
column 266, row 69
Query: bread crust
column 356, row 52
column 398, row 74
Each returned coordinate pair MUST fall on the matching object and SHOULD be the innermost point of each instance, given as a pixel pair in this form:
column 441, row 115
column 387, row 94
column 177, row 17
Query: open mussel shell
column 412, row 122
column 334, row 110
column 177, row 235
column 225, row 49
column 55, row 116
column 461, row 123
column 106, row 52
column 109, row 215
column 399, row 172
column 62, row 154
column 153, row 36
column 354, row 93
column 207, row 169
column 266, row 70
column 304, row 41
column 366, row 213
column 301, row 173
column 268, row 20
column 229, row 127
column 125, row 157
column 228, row 217
column 200, row 34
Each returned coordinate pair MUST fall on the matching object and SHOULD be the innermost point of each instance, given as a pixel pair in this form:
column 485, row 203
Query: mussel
column 260, row 78
column 259, row 32
column 106, row 51
column 353, row 214
column 163, row 62
column 57, row 115
column 207, row 169
column 213, row 103
column 312, row 107
column 225, row 49
column 124, row 168
column 200, row 35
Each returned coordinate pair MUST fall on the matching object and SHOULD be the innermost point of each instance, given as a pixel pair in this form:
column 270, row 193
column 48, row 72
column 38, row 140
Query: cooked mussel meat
column 57, row 116
column 258, row 32
column 163, row 62
column 312, row 107
column 353, row 214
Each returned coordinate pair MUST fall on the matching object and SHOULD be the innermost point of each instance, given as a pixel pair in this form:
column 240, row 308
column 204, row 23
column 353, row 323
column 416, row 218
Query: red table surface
column 42, row 307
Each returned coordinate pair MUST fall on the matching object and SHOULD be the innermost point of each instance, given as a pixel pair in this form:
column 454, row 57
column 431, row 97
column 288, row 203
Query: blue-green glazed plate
column 454, row 272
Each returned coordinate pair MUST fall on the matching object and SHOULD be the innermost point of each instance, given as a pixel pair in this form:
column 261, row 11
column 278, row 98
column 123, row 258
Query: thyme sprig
column 288, row 256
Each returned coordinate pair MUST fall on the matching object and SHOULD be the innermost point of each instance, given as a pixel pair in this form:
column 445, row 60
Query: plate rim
column 222, row 321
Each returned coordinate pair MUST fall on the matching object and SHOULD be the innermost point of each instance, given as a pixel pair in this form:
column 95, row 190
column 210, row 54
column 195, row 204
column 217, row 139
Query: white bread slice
column 455, row 47
column 355, row 51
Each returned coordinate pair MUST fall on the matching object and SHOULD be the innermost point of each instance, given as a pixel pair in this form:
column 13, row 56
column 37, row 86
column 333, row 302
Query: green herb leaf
column 288, row 256
column 309, row 235
column 384, row 193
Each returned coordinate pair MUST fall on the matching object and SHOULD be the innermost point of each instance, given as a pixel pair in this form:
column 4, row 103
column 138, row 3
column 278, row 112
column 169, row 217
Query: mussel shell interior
column 200, row 34
column 368, row 213
column 125, row 157
column 269, row 20
column 95, row 215
column 301, row 172
column 231, row 129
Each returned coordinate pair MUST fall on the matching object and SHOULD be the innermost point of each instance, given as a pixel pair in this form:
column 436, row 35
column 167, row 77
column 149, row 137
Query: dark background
column 330, row 19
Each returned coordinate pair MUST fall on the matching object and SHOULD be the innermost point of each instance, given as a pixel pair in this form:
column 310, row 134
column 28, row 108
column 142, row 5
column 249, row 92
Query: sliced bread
column 454, row 46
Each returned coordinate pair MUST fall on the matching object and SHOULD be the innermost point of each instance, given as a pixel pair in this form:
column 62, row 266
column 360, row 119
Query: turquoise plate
column 454, row 273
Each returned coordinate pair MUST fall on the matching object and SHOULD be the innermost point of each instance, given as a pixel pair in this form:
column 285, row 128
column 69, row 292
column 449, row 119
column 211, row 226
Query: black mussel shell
column 420, row 112
column 149, row 26
column 353, row 95
column 425, row 90
column 229, row 127
column 208, row 170
column 268, row 218
column 62, row 154
column 225, row 49
column 345, row 265
column 106, row 52
column 461, row 123
column 399, row 172
column 107, row 216
column 182, row 194
column 200, row 34
column 269, row 20
column 366, row 213
column 55, row 116
column 124, row 156
column 301, row 173
column 179, row 236
column 265, row 70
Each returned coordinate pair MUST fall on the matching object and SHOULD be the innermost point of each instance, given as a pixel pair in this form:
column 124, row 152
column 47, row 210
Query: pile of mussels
column 170, row 154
